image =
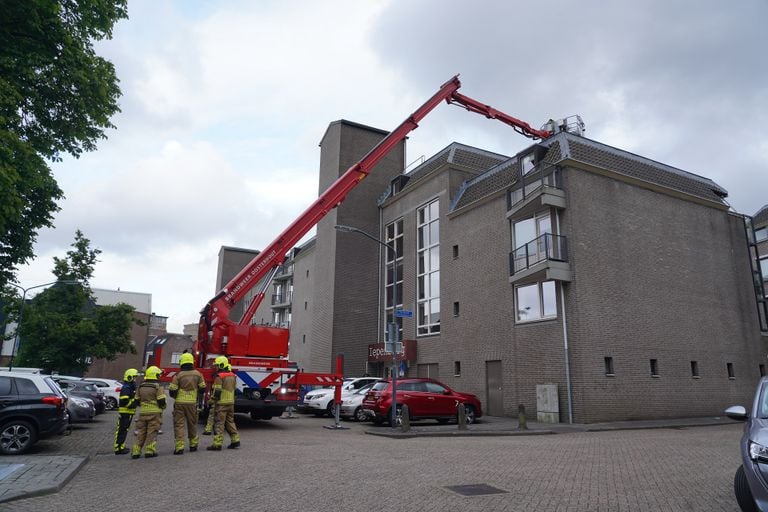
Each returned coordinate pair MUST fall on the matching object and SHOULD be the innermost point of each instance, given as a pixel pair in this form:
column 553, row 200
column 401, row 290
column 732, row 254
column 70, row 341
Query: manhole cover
column 474, row 489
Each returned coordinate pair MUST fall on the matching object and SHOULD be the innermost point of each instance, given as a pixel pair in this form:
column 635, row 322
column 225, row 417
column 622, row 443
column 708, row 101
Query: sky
column 224, row 104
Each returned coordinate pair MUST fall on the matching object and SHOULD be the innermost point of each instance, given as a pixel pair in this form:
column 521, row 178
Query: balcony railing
column 284, row 272
column 546, row 247
column 282, row 298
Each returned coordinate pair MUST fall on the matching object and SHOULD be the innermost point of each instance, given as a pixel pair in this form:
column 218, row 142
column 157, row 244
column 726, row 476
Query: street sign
column 402, row 313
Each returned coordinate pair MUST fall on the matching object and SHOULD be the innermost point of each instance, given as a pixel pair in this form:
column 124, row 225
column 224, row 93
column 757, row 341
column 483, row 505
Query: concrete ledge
column 39, row 476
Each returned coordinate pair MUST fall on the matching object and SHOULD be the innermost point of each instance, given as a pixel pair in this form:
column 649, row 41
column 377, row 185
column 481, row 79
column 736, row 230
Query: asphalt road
column 299, row 465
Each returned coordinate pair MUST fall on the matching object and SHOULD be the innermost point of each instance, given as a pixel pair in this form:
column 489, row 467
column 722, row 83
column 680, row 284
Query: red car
column 425, row 398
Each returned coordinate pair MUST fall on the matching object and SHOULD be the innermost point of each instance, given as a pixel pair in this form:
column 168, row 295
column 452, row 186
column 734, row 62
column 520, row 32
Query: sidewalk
column 53, row 463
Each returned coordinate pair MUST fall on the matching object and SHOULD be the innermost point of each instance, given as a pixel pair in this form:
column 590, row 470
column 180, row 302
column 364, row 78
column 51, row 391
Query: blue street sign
column 402, row 313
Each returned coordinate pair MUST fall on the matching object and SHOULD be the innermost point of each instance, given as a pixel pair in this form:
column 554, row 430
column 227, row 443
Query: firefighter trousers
column 147, row 426
column 225, row 420
column 123, row 424
column 185, row 425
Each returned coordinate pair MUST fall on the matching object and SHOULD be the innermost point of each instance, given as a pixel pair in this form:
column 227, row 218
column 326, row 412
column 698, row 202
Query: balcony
column 284, row 272
column 543, row 258
column 534, row 193
column 282, row 299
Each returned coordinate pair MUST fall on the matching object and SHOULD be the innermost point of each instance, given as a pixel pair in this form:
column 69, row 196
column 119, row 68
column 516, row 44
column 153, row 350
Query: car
column 111, row 389
column 426, row 399
column 32, row 407
column 83, row 389
column 750, row 483
column 352, row 404
column 320, row 401
column 81, row 410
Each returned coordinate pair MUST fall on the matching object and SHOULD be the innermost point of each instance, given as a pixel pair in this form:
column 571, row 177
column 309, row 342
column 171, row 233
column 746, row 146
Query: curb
column 70, row 474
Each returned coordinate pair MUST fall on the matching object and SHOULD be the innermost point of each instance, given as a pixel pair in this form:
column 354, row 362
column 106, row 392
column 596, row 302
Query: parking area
column 297, row 464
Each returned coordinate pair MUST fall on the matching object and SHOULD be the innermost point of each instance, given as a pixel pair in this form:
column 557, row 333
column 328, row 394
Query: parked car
column 749, row 483
column 320, row 401
column 352, row 404
column 425, row 398
column 111, row 389
column 81, row 410
column 32, row 407
column 83, row 389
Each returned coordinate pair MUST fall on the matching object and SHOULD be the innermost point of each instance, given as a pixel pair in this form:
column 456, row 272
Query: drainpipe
column 566, row 352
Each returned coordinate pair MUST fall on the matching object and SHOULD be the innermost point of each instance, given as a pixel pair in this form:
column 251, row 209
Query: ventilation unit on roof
column 571, row 124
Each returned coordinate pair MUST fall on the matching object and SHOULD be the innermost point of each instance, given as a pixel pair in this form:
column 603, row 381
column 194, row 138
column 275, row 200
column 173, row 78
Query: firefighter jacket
column 151, row 398
column 224, row 388
column 187, row 385
column 128, row 401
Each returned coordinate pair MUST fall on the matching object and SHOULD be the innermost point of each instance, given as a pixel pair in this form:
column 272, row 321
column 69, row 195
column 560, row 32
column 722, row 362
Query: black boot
column 214, row 448
column 234, row 445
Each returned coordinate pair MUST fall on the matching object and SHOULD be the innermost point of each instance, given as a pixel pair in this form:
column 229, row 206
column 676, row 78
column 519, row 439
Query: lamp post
column 393, row 330
column 21, row 313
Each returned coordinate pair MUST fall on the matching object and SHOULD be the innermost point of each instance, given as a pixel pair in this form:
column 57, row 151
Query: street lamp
column 21, row 313
column 393, row 330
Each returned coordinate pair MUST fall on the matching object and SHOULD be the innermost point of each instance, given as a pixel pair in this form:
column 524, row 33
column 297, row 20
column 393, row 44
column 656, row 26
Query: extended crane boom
column 218, row 334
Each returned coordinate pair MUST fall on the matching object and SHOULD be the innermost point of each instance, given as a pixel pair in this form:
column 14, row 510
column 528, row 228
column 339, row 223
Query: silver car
column 352, row 404
column 751, row 481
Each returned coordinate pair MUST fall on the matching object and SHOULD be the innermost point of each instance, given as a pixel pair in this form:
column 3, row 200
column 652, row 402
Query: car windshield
column 380, row 386
column 763, row 405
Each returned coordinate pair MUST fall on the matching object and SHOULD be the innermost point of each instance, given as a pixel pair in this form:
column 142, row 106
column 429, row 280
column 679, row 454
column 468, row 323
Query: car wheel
column 398, row 416
column 329, row 409
column 111, row 404
column 743, row 494
column 469, row 414
column 360, row 415
column 16, row 437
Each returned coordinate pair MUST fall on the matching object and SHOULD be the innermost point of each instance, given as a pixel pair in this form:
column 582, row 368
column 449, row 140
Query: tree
column 56, row 96
column 63, row 329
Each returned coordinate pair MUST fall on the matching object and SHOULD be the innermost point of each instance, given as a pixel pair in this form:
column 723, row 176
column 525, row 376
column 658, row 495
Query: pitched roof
column 761, row 217
column 566, row 147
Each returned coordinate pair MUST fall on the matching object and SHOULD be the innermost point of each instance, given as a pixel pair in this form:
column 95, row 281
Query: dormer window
column 528, row 163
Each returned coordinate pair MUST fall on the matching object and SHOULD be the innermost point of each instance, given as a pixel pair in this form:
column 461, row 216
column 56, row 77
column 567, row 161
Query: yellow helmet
column 130, row 374
column 153, row 373
column 186, row 358
column 221, row 362
column 229, row 367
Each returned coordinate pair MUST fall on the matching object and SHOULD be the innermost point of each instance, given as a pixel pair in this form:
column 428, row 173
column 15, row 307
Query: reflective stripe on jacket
column 224, row 388
column 151, row 398
column 187, row 384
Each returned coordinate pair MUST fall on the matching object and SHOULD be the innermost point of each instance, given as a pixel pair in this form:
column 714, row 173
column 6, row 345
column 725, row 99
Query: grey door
column 493, row 389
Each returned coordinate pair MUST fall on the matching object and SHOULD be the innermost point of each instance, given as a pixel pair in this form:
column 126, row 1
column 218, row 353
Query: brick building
column 620, row 284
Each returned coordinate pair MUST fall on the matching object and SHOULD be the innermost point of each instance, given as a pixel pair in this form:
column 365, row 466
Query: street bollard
column 405, row 419
column 522, row 423
column 461, row 416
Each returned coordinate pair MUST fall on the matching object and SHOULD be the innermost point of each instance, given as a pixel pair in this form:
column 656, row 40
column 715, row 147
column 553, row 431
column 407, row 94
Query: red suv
column 425, row 398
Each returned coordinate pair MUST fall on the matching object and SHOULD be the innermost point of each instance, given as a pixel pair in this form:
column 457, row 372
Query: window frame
column 428, row 269
column 541, row 302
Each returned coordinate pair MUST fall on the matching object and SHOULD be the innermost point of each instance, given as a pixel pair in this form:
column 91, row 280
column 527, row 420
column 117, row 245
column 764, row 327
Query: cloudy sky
column 224, row 104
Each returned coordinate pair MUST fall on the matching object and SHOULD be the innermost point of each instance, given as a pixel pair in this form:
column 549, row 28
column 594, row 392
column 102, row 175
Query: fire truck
column 268, row 381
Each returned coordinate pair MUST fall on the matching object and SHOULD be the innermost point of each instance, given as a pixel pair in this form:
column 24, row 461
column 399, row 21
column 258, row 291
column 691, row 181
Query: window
column 305, row 305
column 527, row 163
column 26, row 387
column 5, row 386
column 761, row 234
column 654, row 368
column 729, row 367
column 455, row 251
column 536, row 301
column 528, row 240
column 175, row 357
column 457, row 368
column 695, row 369
column 428, row 269
column 609, row 366
column 455, row 309
column 764, row 267
column 307, row 272
column 762, row 370
column 395, row 239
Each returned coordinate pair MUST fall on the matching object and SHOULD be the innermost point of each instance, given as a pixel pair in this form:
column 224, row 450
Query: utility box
column 547, row 405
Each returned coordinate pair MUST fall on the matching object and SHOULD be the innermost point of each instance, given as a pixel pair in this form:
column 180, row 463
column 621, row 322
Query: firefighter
column 186, row 388
column 224, row 392
column 127, row 407
column 152, row 403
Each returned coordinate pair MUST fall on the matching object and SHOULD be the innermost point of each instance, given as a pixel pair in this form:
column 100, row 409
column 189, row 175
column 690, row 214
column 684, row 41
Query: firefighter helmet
column 153, row 373
column 229, row 367
column 130, row 374
column 221, row 362
column 186, row 358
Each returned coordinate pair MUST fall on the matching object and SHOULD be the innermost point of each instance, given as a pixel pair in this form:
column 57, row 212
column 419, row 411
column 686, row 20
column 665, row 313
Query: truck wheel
column 743, row 494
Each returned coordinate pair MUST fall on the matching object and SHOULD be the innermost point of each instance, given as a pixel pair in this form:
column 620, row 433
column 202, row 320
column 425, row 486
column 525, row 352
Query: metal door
column 493, row 389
